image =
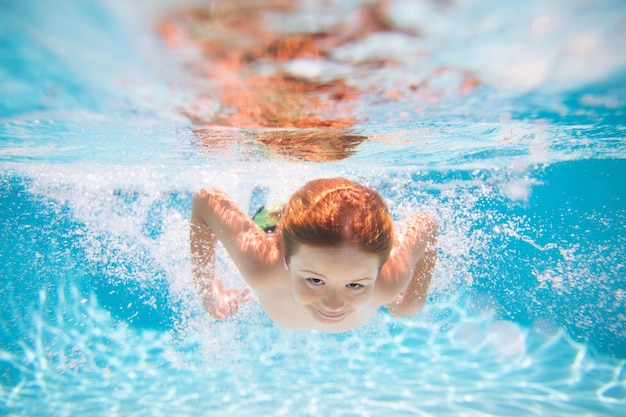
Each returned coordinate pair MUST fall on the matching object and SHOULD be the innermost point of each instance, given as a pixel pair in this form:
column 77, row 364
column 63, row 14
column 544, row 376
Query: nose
column 332, row 300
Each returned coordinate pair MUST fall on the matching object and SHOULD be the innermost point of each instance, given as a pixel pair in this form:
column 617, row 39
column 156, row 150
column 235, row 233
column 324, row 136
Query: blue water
column 525, row 175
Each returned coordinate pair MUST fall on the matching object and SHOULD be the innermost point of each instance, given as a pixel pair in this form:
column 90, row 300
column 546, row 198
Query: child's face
column 332, row 283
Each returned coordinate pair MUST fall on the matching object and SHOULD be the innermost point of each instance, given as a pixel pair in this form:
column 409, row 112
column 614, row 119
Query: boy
column 331, row 262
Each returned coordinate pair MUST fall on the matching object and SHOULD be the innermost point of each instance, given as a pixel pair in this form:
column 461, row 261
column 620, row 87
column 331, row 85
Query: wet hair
column 336, row 211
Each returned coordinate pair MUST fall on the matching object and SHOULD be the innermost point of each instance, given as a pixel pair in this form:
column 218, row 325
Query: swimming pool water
column 525, row 175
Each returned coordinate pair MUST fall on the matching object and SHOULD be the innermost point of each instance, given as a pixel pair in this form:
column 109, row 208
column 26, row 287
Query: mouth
column 336, row 316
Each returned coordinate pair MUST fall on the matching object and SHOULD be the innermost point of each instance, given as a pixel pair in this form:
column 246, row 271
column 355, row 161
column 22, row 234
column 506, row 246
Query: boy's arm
column 214, row 216
column 410, row 266
column 219, row 301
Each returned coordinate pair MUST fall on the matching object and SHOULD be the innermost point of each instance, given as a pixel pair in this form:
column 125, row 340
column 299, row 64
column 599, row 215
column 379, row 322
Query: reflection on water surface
column 295, row 78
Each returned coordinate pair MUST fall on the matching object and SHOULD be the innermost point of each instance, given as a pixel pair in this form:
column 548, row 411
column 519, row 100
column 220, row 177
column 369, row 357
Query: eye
column 315, row 281
column 354, row 286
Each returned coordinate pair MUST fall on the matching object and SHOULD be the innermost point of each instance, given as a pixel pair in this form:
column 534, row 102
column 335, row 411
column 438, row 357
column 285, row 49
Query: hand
column 395, row 306
column 224, row 302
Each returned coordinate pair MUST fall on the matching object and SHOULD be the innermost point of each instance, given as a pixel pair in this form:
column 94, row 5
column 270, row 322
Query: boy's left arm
column 409, row 269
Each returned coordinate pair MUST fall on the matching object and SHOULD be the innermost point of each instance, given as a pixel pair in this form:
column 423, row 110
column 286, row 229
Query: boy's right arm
column 219, row 301
column 214, row 216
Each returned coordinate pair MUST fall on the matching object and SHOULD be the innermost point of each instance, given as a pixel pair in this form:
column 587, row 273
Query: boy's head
column 334, row 212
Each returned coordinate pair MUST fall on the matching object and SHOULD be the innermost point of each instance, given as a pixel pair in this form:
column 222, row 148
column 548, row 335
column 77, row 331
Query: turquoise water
column 525, row 174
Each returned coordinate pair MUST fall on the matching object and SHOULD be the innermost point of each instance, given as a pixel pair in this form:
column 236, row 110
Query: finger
column 233, row 307
column 245, row 296
column 225, row 308
column 220, row 312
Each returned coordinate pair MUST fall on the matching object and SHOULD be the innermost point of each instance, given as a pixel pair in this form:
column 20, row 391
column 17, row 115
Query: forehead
column 345, row 261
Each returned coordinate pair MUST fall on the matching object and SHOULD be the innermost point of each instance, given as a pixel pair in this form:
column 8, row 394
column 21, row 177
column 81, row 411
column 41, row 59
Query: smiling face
column 332, row 283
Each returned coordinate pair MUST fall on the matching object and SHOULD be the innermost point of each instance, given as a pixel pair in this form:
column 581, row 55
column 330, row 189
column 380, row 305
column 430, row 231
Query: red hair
column 336, row 211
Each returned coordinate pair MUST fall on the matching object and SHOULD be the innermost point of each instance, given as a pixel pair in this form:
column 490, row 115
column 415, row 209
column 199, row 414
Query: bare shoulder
column 262, row 256
column 419, row 225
